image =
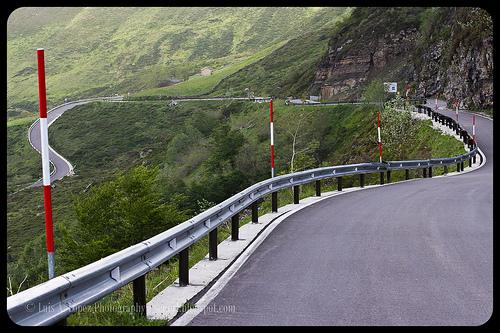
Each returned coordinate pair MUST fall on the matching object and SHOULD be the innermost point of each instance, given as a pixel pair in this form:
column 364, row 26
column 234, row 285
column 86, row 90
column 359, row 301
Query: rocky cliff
column 445, row 51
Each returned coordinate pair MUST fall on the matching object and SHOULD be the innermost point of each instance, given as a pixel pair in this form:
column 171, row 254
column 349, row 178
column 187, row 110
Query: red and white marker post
column 474, row 129
column 456, row 110
column 379, row 139
column 271, row 127
column 47, row 200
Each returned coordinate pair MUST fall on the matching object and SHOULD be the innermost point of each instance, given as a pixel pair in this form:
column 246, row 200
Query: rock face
column 468, row 78
column 343, row 72
column 447, row 60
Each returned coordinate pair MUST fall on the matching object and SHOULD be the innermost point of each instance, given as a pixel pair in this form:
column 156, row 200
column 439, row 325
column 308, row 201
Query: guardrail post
column 470, row 162
column 184, row 267
column 212, row 245
column 462, row 166
column 362, row 180
column 407, row 174
column 296, row 190
column 274, row 202
column 139, row 290
column 424, row 172
column 235, row 227
column 382, row 178
column 339, row 183
column 255, row 212
column 318, row 188
column 474, row 159
column 388, row 176
column 430, row 172
column 458, row 167
column 445, row 170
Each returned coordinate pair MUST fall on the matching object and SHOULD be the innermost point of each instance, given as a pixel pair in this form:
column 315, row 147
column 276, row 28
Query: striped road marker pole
column 379, row 139
column 436, row 102
column 474, row 128
column 456, row 110
column 272, row 135
column 47, row 200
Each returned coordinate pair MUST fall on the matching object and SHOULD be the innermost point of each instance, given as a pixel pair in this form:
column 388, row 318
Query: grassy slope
column 99, row 51
column 198, row 85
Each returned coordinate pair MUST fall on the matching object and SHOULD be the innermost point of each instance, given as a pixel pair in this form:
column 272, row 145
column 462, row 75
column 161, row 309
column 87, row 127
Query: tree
column 115, row 215
column 398, row 132
column 226, row 144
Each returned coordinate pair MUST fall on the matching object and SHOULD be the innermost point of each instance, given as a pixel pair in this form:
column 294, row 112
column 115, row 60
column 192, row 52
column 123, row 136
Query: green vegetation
column 23, row 162
column 106, row 50
column 375, row 93
column 199, row 85
column 454, row 27
column 287, row 71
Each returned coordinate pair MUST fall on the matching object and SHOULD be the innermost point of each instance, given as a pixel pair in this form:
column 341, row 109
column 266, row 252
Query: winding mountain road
column 412, row 253
column 60, row 166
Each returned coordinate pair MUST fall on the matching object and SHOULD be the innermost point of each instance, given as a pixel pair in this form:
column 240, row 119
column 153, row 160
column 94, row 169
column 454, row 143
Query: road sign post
column 47, row 195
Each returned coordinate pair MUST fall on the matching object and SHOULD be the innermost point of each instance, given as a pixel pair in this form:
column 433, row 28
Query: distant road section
column 61, row 167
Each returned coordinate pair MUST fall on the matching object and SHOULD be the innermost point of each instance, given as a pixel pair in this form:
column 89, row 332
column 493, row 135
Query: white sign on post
column 391, row 86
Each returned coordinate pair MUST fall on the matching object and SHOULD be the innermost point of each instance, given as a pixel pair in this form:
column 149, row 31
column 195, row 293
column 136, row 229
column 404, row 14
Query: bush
column 115, row 215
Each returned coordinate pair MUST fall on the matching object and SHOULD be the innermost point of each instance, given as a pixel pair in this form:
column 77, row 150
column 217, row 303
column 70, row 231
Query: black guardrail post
column 407, row 174
column 430, row 172
column 470, row 162
column 274, row 202
column 255, row 212
column 445, row 170
column 462, row 166
column 474, row 159
column 318, row 188
column 424, row 172
column 362, row 180
column 458, row 167
column 212, row 245
column 339, row 183
column 139, row 291
column 382, row 178
column 296, row 190
column 235, row 227
column 184, row 267
column 388, row 176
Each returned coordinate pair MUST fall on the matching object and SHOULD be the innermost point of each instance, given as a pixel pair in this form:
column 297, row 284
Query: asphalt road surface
column 415, row 253
column 60, row 166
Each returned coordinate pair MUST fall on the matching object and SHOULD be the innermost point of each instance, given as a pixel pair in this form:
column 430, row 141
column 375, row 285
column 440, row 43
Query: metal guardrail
column 54, row 300
column 353, row 102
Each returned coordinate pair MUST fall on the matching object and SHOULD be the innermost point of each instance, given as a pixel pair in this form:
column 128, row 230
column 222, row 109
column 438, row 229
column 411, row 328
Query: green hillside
column 102, row 51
